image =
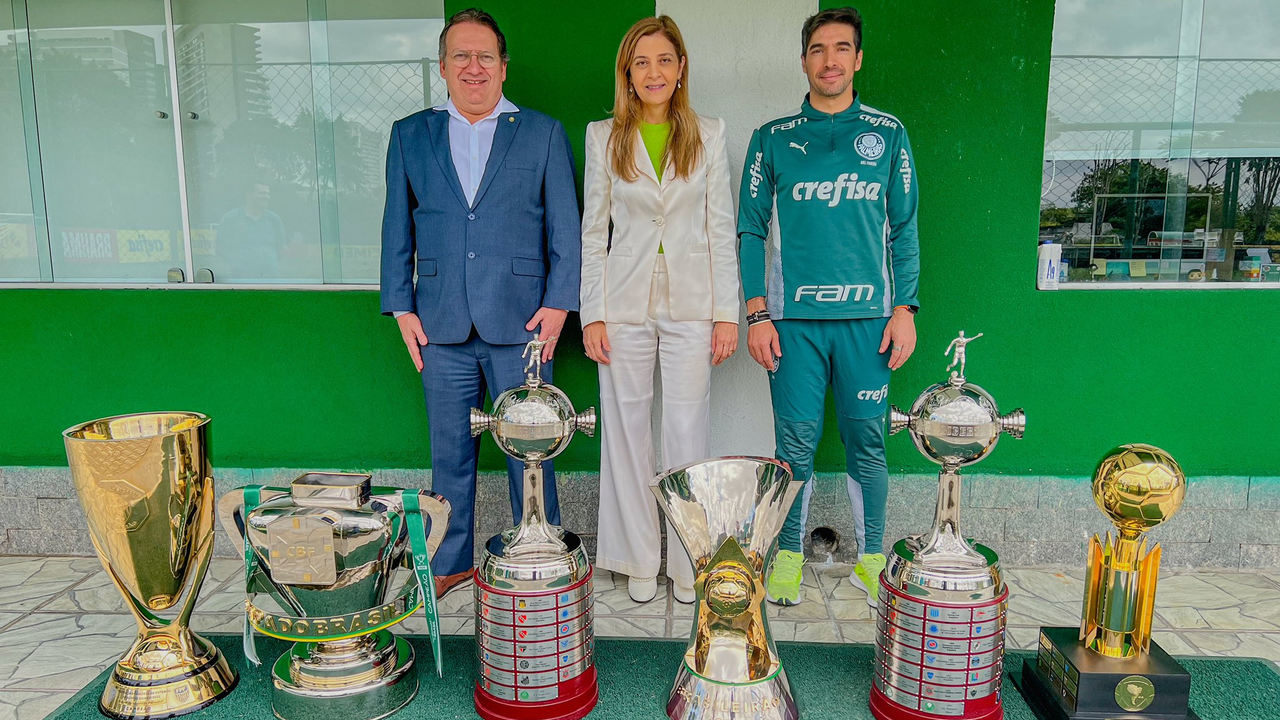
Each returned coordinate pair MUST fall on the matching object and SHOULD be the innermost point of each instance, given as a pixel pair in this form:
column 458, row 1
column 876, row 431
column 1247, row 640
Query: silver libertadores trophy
column 728, row 512
column 326, row 551
column 533, row 586
column 942, row 599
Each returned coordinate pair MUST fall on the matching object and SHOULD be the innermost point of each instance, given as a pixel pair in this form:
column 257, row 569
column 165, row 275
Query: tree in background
column 1117, row 177
column 1262, row 173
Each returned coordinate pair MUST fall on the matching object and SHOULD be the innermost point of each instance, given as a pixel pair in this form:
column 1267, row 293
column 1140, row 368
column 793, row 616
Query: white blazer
column 692, row 218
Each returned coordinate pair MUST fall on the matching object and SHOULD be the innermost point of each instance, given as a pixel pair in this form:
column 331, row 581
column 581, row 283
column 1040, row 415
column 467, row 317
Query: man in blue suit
column 480, row 194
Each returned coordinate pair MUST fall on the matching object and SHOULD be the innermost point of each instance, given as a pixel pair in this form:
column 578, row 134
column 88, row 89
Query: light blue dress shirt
column 470, row 143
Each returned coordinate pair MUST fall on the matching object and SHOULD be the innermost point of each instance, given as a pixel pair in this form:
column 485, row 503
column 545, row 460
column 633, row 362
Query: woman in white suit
column 662, row 286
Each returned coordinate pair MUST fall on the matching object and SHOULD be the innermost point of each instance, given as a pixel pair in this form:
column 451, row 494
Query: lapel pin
column 511, row 118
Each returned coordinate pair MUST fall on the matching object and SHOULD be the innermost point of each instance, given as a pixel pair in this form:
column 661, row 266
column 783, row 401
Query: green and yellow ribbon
column 422, row 570
column 421, row 593
column 252, row 496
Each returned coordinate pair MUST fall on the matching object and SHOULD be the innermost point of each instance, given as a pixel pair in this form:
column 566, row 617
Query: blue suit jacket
column 490, row 265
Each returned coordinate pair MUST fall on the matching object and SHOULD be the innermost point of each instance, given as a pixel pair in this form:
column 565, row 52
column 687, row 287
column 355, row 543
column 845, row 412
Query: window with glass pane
column 382, row 66
column 249, row 139
column 1162, row 143
column 19, row 259
column 267, row 168
column 102, row 111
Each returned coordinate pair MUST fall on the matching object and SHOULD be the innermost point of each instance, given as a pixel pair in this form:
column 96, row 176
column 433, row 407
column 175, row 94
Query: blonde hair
column 684, row 146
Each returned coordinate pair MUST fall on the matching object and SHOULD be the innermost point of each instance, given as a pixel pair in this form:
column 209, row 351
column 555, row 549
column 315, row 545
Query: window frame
column 1179, row 155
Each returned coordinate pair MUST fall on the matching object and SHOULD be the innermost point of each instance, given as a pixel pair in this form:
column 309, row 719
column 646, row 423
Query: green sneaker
column 866, row 575
column 783, row 585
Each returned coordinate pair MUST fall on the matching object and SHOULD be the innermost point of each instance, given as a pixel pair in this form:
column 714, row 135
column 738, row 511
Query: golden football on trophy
column 1138, row 486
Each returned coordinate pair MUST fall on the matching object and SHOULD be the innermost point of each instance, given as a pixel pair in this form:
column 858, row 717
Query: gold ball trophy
column 327, row 552
column 533, row 586
column 728, row 512
column 146, row 487
column 1110, row 667
column 942, row 599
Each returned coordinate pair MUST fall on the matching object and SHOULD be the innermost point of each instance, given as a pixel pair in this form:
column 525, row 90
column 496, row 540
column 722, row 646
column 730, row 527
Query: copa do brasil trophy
column 533, row 585
column 321, row 569
column 1109, row 666
column 942, row 599
column 146, row 486
column 728, row 513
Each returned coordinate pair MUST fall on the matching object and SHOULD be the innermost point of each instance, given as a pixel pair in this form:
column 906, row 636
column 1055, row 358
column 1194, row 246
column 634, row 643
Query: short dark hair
column 479, row 17
column 846, row 15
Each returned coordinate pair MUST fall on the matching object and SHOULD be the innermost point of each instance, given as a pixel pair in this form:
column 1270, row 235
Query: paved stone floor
column 62, row 622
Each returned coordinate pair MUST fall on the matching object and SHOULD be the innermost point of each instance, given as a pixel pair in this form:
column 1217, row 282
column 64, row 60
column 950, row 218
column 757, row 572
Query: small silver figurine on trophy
column 533, row 586
column 958, row 358
column 940, row 645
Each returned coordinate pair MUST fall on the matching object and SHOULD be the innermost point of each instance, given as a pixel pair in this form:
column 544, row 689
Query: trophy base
column 576, row 698
column 535, row 634
column 1067, row 681
column 695, row 697
column 882, row 708
column 940, row 635
column 193, row 684
column 369, row 684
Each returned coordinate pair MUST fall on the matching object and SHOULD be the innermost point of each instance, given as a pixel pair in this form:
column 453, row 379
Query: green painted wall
column 292, row 379
column 1186, row 370
column 319, row 379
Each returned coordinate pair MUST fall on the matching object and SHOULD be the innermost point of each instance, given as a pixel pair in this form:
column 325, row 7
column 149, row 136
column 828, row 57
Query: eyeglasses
column 462, row 58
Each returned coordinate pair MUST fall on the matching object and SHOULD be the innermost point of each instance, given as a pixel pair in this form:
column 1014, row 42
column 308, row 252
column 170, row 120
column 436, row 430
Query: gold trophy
column 728, row 513
column 1139, row 487
column 146, row 487
column 1110, row 665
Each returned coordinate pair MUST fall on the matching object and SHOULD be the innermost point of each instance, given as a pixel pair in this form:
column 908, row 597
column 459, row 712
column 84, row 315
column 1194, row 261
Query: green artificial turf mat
column 829, row 681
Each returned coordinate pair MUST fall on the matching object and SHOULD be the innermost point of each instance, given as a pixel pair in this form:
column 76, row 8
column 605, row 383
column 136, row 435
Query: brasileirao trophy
column 326, row 551
column 1110, row 666
column 728, row 512
column 533, row 586
column 942, row 599
column 146, row 487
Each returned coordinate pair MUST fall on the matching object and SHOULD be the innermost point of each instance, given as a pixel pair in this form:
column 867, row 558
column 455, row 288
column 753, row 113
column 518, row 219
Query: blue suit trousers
column 455, row 378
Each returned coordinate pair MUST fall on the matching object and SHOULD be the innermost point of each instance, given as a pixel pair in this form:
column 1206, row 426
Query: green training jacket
column 836, row 196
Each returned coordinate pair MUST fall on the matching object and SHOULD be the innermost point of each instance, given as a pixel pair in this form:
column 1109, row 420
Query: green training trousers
column 842, row 354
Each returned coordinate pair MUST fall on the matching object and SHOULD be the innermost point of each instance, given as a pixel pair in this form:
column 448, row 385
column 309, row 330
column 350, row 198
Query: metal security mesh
column 374, row 94
column 302, row 130
column 1114, row 123
column 1223, row 84
column 1111, row 90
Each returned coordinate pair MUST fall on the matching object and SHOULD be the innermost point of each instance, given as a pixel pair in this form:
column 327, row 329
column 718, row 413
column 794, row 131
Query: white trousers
column 629, row 540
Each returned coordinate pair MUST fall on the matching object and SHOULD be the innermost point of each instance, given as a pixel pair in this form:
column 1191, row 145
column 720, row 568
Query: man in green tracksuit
column 830, row 190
